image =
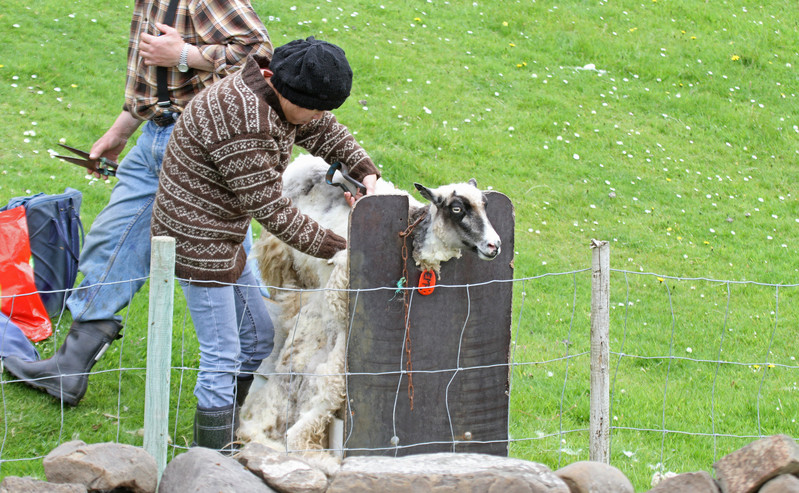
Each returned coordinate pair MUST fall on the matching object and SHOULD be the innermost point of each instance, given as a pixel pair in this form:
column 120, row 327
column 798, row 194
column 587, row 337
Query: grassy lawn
column 669, row 128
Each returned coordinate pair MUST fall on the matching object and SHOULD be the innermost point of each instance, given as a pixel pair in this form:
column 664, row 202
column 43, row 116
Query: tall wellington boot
column 243, row 385
column 65, row 374
column 213, row 428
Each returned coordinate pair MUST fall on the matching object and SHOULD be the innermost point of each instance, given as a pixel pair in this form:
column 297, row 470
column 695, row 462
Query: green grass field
column 669, row 128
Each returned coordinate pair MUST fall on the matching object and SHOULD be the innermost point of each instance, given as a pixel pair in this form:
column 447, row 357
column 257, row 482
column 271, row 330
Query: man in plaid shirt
column 208, row 40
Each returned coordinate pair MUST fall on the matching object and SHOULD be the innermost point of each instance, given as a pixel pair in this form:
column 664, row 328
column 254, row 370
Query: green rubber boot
column 213, row 428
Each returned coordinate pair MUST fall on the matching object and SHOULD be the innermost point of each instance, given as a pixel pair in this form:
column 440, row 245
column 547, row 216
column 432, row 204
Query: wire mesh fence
column 697, row 368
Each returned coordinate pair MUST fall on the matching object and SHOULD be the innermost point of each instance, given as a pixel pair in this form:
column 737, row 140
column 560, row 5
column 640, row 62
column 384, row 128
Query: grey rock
column 594, row 477
column 202, row 470
column 784, row 483
column 748, row 468
column 284, row 474
column 443, row 473
column 689, row 482
column 16, row 484
column 102, row 466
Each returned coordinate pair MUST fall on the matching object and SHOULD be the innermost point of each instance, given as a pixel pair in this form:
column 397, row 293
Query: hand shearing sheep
column 300, row 387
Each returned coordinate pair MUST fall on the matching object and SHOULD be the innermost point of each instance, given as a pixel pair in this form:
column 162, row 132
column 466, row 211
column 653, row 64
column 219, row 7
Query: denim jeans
column 234, row 331
column 115, row 259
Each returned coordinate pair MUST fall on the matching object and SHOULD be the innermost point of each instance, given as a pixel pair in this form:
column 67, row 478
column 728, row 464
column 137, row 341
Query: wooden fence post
column 159, row 349
column 599, row 419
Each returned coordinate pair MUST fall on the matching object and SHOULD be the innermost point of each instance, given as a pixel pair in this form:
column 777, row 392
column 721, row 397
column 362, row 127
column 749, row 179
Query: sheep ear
column 473, row 182
column 426, row 193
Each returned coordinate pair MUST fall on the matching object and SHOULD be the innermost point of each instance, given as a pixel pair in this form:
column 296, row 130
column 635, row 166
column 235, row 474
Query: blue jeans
column 115, row 259
column 235, row 335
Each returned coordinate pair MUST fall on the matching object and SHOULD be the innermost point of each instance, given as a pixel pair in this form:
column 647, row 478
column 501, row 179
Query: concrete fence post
column 599, row 418
column 159, row 349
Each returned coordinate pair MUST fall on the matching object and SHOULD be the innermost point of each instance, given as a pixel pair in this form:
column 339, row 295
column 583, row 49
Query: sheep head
column 457, row 219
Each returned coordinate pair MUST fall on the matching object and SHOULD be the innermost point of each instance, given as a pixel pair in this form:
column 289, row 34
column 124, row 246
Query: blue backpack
column 56, row 235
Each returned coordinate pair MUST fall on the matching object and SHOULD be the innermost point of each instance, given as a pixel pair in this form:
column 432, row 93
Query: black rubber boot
column 213, row 428
column 243, row 385
column 65, row 374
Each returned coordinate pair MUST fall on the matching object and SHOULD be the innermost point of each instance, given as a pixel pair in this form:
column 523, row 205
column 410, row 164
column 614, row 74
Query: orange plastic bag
column 18, row 296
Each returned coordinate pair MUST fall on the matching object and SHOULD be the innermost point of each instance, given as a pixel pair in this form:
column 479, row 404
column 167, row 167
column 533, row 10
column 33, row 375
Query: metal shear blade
column 102, row 165
column 359, row 187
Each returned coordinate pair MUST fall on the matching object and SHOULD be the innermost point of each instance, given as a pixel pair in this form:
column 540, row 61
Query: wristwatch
column 183, row 64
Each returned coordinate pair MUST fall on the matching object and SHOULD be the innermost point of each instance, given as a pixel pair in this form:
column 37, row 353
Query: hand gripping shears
column 359, row 187
column 104, row 166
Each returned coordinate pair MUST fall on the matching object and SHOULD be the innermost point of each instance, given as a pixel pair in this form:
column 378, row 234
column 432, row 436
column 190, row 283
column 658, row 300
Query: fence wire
column 742, row 332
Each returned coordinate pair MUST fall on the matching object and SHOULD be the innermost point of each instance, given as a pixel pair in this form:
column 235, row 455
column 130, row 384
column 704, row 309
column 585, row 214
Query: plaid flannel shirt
column 225, row 31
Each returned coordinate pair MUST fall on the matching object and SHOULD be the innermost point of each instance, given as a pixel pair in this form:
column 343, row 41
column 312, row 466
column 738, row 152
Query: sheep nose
column 494, row 248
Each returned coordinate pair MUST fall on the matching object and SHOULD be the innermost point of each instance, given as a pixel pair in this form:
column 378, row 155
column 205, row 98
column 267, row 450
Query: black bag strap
column 72, row 248
column 160, row 72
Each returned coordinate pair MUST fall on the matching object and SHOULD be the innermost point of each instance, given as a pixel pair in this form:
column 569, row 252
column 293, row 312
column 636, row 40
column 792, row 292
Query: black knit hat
column 311, row 73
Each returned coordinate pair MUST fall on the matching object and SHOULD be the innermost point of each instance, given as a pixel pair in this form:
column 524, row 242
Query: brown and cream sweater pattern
column 223, row 166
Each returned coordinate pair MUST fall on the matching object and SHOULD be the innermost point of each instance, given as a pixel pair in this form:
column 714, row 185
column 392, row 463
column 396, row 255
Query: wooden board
column 460, row 341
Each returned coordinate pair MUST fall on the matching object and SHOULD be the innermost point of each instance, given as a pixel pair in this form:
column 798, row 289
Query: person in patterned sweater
column 223, row 167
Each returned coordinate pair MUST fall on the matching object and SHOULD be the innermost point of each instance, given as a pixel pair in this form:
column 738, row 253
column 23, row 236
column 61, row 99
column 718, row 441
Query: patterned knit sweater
column 223, row 166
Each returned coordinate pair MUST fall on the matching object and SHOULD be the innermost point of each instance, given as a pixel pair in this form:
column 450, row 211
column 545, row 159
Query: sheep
column 301, row 385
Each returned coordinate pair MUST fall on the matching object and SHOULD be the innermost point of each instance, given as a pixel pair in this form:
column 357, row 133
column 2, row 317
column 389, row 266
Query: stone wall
column 768, row 465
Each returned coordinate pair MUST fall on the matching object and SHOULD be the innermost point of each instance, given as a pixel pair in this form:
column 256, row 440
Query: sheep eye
column 456, row 210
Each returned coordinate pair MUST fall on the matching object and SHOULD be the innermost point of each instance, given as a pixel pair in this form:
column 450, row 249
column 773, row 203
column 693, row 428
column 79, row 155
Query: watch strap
column 183, row 63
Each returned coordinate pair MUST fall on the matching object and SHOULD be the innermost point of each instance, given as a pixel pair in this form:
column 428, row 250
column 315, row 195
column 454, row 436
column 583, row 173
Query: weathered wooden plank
column 599, row 422
column 454, row 329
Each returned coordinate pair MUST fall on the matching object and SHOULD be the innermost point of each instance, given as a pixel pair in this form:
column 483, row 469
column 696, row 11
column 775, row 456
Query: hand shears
column 359, row 187
column 104, row 166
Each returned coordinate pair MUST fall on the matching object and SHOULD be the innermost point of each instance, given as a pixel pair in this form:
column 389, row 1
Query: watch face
column 183, row 67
